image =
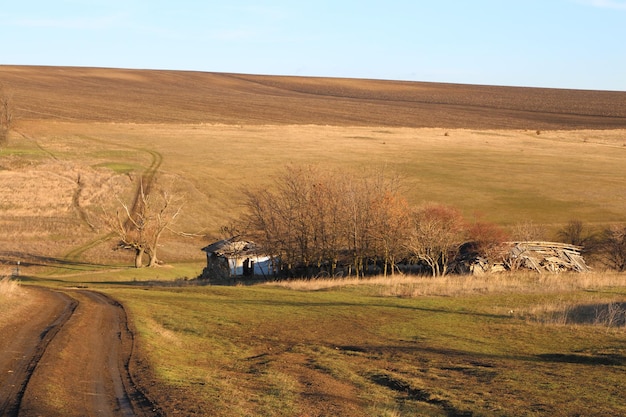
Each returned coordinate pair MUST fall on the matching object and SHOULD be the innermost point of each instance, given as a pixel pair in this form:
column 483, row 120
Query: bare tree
column 575, row 233
column 141, row 226
column 391, row 225
column 436, row 236
column 6, row 115
column 613, row 247
column 358, row 209
column 314, row 219
column 301, row 220
column 527, row 231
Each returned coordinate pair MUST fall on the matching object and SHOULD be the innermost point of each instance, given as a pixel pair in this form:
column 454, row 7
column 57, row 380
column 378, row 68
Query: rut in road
column 26, row 347
column 85, row 367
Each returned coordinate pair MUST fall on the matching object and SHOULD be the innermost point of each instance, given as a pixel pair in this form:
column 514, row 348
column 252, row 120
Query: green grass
column 103, row 276
column 229, row 349
column 118, row 167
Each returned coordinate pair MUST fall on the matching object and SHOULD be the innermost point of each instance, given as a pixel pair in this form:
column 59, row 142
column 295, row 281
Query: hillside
column 83, row 138
column 147, row 96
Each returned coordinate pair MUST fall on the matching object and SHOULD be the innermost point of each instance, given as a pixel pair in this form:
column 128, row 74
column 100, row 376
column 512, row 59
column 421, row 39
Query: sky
column 578, row 44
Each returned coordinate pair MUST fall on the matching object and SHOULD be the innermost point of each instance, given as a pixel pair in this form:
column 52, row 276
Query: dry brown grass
column 556, row 304
column 9, row 288
column 13, row 300
column 550, row 179
column 410, row 286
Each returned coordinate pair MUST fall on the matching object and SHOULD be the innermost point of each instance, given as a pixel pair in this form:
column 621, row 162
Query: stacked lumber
column 546, row 257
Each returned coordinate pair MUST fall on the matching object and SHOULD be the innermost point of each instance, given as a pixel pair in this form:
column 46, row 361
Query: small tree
column 613, row 247
column 528, row 231
column 574, row 233
column 140, row 227
column 436, row 236
column 390, row 229
column 488, row 240
column 6, row 115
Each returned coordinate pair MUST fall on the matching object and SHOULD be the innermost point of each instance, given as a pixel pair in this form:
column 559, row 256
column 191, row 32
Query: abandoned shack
column 230, row 258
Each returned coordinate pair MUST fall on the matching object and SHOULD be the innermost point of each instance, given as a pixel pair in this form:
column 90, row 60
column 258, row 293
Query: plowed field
column 142, row 96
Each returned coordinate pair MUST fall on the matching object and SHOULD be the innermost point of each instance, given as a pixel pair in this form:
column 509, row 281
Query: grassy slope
column 352, row 352
column 504, row 176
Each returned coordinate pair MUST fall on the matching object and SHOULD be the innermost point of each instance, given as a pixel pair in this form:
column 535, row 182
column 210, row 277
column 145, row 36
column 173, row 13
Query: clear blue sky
column 542, row 43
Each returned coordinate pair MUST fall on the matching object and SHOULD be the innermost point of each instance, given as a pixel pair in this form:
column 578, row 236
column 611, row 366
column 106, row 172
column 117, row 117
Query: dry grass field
column 83, row 136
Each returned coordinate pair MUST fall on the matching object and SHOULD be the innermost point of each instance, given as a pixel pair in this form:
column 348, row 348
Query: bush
column 613, row 247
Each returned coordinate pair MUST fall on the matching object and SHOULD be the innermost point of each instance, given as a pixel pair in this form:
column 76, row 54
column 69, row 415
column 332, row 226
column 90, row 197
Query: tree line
column 317, row 222
column 324, row 222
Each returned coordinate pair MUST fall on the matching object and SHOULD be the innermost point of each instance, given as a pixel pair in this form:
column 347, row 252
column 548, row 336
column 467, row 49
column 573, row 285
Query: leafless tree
column 613, row 247
column 6, row 114
column 301, row 219
column 141, row 226
column 575, row 233
column 390, row 229
column 436, row 236
column 316, row 219
column 527, row 231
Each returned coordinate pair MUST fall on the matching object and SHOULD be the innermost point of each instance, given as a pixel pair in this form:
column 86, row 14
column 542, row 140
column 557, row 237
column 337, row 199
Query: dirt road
column 68, row 355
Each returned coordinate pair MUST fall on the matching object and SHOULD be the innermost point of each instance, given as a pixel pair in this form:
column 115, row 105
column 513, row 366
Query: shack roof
column 232, row 247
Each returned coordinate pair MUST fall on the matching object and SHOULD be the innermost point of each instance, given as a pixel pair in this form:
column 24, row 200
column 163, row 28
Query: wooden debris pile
column 546, row 257
column 537, row 256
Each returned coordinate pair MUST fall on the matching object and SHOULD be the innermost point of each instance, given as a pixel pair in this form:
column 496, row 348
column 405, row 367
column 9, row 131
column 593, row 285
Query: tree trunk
column 153, row 259
column 139, row 257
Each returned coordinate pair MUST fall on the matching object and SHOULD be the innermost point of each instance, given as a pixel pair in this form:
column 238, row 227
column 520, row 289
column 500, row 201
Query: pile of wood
column 546, row 257
column 536, row 256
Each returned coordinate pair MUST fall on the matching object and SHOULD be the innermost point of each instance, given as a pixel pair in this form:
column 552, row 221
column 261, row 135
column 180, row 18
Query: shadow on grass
column 29, row 259
column 607, row 314
column 601, row 359
column 485, row 361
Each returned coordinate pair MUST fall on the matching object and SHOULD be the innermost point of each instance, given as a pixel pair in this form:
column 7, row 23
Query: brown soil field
column 144, row 96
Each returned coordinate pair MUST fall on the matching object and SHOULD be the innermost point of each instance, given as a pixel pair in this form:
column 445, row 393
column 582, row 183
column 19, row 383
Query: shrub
column 613, row 247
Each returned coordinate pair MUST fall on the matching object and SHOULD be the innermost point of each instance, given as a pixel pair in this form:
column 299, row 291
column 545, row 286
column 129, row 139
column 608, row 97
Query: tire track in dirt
column 80, row 366
column 31, row 348
column 147, row 180
column 82, row 214
column 143, row 188
column 37, row 144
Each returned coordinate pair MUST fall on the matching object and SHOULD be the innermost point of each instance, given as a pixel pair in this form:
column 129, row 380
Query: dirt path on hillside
column 69, row 357
column 142, row 190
